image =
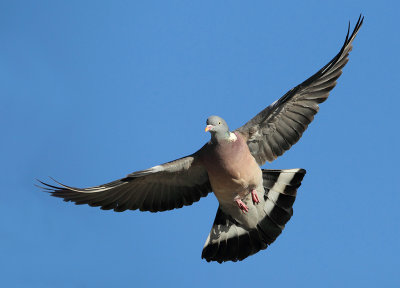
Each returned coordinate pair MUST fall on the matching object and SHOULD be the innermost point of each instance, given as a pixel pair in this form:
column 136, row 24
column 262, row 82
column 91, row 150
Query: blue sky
column 92, row 91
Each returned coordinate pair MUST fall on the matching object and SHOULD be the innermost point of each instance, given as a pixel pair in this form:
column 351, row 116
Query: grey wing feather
column 275, row 129
column 164, row 187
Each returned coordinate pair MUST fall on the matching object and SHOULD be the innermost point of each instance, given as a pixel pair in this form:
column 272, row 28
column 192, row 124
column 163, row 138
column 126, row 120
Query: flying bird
column 254, row 203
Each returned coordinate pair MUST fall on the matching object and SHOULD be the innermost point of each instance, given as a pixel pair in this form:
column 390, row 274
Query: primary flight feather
column 254, row 203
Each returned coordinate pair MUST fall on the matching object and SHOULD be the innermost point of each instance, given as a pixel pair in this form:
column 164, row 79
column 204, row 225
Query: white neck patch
column 232, row 137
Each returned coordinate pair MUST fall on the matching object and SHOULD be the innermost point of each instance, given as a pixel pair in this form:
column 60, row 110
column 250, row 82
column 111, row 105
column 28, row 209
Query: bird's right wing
column 164, row 187
column 275, row 129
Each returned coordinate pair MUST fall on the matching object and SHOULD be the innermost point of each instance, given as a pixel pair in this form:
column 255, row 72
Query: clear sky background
column 91, row 91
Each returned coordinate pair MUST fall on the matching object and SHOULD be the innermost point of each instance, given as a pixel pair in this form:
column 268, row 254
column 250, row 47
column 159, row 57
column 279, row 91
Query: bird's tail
column 229, row 241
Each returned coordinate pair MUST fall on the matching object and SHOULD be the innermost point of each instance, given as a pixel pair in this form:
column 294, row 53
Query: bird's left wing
column 275, row 129
column 164, row 187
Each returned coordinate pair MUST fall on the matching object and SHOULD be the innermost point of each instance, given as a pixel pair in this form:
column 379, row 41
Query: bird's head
column 218, row 128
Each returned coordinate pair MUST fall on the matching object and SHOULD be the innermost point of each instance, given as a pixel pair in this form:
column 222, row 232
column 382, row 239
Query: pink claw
column 254, row 196
column 242, row 206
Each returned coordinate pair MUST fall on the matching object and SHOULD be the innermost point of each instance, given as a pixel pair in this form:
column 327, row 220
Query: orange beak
column 208, row 128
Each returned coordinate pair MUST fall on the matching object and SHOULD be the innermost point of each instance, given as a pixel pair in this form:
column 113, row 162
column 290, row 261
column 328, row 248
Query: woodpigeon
column 254, row 203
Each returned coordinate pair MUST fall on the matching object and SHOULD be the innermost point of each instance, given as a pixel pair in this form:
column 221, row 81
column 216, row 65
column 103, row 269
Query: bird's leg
column 254, row 196
column 241, row 205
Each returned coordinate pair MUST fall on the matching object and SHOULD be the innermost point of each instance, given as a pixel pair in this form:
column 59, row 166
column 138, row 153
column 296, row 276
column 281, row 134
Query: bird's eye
column 219, row 122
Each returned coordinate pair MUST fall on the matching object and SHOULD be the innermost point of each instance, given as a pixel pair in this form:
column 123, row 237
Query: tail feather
column 229, row 241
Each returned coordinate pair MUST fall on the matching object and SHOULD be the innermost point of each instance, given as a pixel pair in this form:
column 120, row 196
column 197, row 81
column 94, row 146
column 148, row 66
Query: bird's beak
column 208, row 128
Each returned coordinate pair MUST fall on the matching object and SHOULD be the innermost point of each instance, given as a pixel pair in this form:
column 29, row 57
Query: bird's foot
column 242, row 206
column 254, row 196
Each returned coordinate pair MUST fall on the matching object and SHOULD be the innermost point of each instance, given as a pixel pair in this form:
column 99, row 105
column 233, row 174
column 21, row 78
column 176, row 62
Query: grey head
column 218, row 128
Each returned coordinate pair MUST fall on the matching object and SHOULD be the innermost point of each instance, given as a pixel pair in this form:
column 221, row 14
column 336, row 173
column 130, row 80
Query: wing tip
column 46, row 186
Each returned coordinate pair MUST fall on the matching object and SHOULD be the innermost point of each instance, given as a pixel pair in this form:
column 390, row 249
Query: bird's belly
column 236, row 182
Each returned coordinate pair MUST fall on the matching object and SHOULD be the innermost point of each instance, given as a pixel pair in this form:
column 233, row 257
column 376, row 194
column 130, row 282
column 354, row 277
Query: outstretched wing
column 275, row 129
column 164, row 187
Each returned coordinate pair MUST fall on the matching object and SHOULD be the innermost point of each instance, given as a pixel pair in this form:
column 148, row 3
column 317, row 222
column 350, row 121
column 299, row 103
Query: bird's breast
column 232, row 170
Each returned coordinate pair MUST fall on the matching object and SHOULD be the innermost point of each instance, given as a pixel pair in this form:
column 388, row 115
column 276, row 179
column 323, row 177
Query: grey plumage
column 276, row 128
column 165, row 187
column 229, row 241
column 255, row 204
